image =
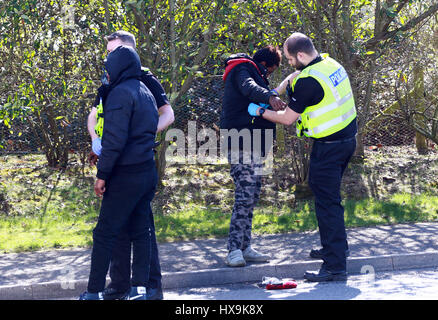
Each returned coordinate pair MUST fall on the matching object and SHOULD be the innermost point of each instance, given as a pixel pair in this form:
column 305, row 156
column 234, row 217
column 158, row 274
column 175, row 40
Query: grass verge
column 195, row 221
column 42, row 208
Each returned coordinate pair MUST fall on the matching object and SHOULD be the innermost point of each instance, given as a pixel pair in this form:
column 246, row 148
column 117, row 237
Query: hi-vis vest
column 98, row 128
column 336, row 110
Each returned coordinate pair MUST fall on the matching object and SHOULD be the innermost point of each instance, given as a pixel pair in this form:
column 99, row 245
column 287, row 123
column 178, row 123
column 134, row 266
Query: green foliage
column 51, row 67
column 51, row 51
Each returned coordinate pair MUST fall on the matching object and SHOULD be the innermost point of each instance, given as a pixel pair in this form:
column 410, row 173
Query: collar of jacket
column 316, row 60
column 235, row 62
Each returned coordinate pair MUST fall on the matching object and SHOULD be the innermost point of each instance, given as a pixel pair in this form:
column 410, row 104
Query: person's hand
column 92, row 158
column 99, row 187
column 96, row 146
column 276, row 103
column 254, row 109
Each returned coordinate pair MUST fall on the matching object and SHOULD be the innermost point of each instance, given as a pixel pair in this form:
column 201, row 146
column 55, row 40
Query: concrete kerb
column 222, row 276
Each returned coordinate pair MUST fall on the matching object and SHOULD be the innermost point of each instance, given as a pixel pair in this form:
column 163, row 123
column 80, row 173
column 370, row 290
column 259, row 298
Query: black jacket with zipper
column 245, row 81
column 130, row 115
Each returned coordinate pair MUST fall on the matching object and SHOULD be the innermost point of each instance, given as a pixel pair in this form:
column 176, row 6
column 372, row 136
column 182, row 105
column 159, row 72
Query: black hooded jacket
column 130, row 115
column 245, row 82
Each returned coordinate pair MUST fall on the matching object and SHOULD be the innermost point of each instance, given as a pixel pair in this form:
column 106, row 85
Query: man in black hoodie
column 126, row 176
column 120, row 267
column 246, row 82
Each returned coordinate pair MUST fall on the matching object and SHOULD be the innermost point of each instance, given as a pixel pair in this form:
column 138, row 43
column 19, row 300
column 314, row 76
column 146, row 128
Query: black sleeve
column 96, row 101
column 102, row 92
column 118, row 110
column 249, row 87
column 156, row 88
column 307, row 92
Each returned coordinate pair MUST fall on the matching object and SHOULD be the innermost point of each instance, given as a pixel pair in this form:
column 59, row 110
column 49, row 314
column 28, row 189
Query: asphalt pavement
column 55, row 274
column 412, row 284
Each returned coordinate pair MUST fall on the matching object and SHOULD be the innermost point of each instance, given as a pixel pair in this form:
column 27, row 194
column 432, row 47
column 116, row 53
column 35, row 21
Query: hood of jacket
column 239, row 58
column 121, row 64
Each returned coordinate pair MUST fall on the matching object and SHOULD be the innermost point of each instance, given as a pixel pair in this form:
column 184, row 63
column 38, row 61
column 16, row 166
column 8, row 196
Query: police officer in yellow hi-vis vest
column 322, row 104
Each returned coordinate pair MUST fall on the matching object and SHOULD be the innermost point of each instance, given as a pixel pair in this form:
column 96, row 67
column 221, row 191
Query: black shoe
column 318, row 253
column 155, row 293
column 91, row 296
column 115, row 294
column 137, row 293
column 324, row 275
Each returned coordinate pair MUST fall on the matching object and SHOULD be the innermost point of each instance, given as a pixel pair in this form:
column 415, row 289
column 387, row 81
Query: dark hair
column 271, row 55
column 299, row 42
column 125, row 36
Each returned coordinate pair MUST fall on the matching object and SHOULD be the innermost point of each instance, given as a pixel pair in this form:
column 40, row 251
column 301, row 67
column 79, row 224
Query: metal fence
column 202, row 104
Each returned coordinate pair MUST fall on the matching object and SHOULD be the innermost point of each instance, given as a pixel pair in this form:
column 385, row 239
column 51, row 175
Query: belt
column 336, row 141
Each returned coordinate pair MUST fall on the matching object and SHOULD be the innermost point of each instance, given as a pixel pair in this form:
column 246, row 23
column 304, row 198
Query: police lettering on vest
column 336, row 110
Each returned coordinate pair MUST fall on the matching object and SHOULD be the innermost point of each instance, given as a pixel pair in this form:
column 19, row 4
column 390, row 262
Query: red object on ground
column 284, row 285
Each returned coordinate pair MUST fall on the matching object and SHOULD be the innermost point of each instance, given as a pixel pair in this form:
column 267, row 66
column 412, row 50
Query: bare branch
column 385, row 35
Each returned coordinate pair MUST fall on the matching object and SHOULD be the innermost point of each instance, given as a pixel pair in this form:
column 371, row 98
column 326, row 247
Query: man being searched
column 120, row 263
column 126, row 175
column 246, row 82
column 322, row 103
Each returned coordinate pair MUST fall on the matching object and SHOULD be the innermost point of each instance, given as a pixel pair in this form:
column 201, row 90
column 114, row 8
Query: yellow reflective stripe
column 98, row 128
column 330, row 107
column 334, row 121
column 299, row 126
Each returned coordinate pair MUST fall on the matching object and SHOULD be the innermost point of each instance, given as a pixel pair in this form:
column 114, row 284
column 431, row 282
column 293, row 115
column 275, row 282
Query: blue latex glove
column 97, row 146
column 252, row 108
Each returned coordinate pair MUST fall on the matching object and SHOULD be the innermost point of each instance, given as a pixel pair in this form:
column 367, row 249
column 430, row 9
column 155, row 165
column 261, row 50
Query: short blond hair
column 124, row 36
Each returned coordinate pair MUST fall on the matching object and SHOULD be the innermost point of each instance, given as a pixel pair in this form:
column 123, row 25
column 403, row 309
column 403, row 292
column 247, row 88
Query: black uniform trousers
column 328, row 162
column 125, row 211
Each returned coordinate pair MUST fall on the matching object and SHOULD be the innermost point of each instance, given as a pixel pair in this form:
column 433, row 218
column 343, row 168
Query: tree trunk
column 420, row 140
column 160, row 158
column 107, row 17
column 359, row 154
column 280, row 140
column 420, row 143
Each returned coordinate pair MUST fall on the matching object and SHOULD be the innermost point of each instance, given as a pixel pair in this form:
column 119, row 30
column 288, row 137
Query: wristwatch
column 261, row 112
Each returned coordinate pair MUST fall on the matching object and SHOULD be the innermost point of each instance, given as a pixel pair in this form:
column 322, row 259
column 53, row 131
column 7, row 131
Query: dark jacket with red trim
column 245, row 81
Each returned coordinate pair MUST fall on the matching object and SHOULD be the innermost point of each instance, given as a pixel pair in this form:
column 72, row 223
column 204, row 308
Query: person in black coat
column 120, row 267
column 126, row 176
column 245, row 81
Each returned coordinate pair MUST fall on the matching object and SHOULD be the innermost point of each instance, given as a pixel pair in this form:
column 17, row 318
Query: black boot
column 115, row 294
column 325, row 275
column 155, row 293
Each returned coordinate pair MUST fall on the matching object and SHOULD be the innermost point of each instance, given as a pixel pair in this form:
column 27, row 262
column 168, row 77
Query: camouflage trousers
column 248, row 182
